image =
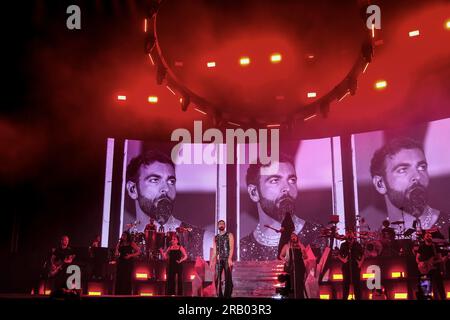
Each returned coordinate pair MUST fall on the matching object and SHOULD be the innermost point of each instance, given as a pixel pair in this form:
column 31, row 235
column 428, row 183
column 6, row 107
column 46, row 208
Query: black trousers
column 175, row 280
column 351, row 275
column 124, row 277
column 437, row 284
column 222, row 265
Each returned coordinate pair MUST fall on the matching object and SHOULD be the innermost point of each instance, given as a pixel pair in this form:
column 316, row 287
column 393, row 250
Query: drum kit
column 386, row 242
column 150, row 246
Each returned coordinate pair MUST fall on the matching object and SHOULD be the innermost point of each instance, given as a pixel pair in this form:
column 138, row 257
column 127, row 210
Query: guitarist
column 351, row 256
column 428, row 260
column 62, row 256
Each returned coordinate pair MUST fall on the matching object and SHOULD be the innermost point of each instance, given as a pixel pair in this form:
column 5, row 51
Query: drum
column 373, row 249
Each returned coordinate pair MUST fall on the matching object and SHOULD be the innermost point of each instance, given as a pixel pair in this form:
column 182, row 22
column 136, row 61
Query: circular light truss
column 303, row 112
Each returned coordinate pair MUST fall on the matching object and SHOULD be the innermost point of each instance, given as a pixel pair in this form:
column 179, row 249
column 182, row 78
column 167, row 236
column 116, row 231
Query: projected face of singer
column 155, row 189
column 279, row 185
column 406, row 172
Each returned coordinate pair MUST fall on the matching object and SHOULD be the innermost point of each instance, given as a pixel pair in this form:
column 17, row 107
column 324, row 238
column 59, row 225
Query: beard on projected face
column 412, row 200
column 278, row 208
column 159, row 209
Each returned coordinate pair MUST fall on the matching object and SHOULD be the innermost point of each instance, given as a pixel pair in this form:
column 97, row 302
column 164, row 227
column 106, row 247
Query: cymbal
column 398, row 222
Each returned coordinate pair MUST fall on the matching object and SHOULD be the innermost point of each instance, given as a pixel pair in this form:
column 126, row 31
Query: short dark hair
column 254, row 170
column 221, row 221
column 378, row 163
column 146, row 158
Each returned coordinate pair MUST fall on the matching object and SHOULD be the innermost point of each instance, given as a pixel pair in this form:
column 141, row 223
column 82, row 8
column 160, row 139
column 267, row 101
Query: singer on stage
column 274, row 190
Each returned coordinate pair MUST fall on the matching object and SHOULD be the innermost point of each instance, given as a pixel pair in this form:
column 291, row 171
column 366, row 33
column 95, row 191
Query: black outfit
column 435, row 275
column 96, row 262
column 288, row 227
column 350, row 270
column 124, row 271
column 60, row 279
column 223, row 253
column 296, row 269
column 150, row 227
column 252, row 250
column 174, row 269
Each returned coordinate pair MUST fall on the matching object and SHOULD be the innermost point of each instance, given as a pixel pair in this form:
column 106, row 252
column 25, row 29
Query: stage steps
column 256, row 278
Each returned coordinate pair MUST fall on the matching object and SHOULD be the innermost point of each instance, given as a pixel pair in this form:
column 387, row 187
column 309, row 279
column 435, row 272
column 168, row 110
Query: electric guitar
column 426, row 266
column 57, row 266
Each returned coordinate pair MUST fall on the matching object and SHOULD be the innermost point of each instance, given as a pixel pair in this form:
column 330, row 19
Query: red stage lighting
column 244, row 61
column 414, row 33
column 152, row 99
column 121, row 98
column 275, row 58
column 211, row 64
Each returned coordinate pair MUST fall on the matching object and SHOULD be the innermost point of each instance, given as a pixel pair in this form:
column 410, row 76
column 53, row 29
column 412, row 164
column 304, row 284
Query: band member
column 400, row 173
column 95, row 259
column 388, row 239
column 61, row 257
column 175, row 255
column 429, row 262
column 151, row 226
column 151, row 183
column 351, row 256
column 273, row 188
column 222, row 260
column 126, row 250
column 294, row 253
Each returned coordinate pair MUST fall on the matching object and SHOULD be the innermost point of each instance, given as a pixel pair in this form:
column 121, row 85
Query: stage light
column 310, row 56
column 185, row 101
column 121, row 98
column 382, row 84
column 311, row 94
column 373, row 30
column 400, row 296
column 146, row 294
column 234, row 124
column 192, row 277
column 244, row 61
column 275, row 125
column 200, row 111
column 141, row 276
column 310, row 117
column 447, row 25
column 397, row 274
column 145, row 25
column 368, row 275
column 414, row 33
column 94, row 293
column 48, row 292
column 171, row 91
column 152, row 99
column 275, row 58
column 211, row 64
column 338, row 276
column 448, row 295
column 344, row 95
column 325, row 297
column 351, row 296
column 365, row 67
